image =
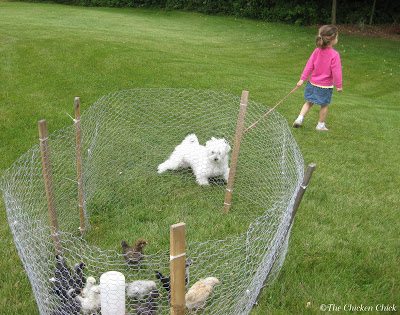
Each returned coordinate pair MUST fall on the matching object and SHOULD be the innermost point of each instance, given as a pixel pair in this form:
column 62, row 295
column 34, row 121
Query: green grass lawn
column 344, row 247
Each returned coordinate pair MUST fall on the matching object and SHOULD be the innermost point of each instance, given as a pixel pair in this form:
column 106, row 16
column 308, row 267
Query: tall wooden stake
column 48, row 184
column 236, row 148
column 177, row 268
column 77, row 121
column 307, row 176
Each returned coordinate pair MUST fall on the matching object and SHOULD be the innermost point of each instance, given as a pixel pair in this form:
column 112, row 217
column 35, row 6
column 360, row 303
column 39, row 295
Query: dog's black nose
column 215, row 159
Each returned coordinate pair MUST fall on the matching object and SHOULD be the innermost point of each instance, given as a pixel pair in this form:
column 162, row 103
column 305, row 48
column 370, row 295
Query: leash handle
column 269, row 111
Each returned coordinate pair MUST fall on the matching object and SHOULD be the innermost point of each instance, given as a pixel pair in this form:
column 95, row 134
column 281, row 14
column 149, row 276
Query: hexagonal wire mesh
column 126, row 135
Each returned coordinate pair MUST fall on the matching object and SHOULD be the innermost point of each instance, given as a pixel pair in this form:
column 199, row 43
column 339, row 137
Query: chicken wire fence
column 125, row 136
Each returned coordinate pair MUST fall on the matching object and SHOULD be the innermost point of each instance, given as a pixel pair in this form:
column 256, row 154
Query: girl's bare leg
column 323, row 112
column 304, row 110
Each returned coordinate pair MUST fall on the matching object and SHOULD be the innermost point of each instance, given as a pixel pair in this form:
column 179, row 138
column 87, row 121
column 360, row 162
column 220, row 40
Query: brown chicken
column 133, row 254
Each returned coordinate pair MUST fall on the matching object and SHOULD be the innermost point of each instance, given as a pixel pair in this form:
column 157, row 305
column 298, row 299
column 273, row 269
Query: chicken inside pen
column 133, row 254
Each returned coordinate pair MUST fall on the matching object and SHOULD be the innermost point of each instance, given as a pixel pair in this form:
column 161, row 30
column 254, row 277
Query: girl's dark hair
column 326, row 34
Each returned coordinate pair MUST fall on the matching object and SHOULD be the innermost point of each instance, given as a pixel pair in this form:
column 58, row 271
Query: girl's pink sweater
column 325, row 68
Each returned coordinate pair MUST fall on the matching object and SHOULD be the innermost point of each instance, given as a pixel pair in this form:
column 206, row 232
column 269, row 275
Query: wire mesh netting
column 129, row 203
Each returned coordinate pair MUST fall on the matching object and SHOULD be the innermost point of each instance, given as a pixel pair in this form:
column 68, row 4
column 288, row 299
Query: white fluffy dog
column 206, row 161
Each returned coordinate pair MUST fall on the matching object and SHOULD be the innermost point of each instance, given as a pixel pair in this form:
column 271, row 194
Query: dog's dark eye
column 212, row 152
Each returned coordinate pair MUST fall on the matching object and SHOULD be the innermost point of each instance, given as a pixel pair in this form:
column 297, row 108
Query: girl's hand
column 300, row 83
column 339, row 90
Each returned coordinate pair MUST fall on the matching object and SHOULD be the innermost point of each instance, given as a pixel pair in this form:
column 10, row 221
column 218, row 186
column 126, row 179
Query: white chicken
column 139, row 289
column 198, row 294
column 90, row 297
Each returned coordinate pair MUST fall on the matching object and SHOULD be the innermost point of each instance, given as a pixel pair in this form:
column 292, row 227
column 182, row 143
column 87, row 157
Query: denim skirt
column 317, row 95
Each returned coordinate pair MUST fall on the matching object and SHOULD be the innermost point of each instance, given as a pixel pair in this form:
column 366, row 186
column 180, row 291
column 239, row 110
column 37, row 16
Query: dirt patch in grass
column 391, row 31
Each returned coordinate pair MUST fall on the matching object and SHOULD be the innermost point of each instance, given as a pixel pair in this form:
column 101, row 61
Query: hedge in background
column 304, row 12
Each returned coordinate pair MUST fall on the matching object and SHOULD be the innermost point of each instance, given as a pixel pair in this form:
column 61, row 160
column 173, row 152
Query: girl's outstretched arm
column 309, row 67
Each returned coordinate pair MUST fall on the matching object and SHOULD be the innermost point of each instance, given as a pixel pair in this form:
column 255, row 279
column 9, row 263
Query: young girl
column 325, row 69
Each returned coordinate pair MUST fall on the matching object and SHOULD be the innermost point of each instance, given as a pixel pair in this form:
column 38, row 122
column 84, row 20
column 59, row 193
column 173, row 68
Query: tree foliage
column 302, row 12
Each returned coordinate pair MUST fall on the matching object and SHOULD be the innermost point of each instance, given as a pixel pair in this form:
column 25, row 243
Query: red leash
column 277, row 104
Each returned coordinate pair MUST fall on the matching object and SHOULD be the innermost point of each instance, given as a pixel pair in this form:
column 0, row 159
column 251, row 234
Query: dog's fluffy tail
column 191, row 139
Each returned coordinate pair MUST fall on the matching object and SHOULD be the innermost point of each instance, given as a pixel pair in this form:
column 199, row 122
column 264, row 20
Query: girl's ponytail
column 326, row 34
column 319, row 41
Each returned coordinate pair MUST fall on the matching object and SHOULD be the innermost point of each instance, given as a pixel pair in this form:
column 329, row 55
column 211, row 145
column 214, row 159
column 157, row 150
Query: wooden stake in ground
column 236, row 148
column 77, row 121
column 299, row 197
column 177, row 268
column 307, row 176
column 48, row 184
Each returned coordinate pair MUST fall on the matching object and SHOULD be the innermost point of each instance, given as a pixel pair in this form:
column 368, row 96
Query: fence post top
column 245, row 97
column 42, row 124
column 177, row 225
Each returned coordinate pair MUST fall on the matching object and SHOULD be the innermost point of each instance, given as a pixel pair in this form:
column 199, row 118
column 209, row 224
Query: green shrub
column 303, row 12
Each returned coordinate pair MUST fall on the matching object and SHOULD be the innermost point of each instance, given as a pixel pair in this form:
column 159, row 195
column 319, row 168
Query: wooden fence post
column 307, row 176
column 177, row 268
column 236, row 148
column 77, row 121
column 48, row 184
